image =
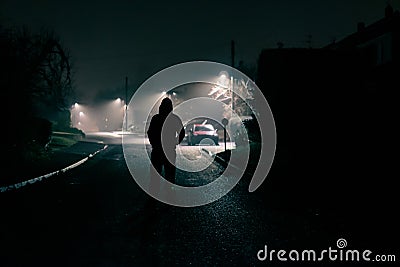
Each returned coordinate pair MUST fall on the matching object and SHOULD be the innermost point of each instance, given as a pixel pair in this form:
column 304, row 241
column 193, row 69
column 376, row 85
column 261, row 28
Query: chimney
column 388, row 11
column 360, row 26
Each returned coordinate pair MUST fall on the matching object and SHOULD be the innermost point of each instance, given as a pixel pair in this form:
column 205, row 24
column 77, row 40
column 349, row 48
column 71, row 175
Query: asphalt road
column 96, row 215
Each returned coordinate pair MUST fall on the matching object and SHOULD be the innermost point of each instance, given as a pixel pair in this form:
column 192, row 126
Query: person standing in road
column 164, row 133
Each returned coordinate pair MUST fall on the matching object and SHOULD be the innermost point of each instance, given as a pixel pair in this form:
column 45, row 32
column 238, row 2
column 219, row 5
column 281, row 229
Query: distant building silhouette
column 379, row 41
column 379, row 47
column 335, row 110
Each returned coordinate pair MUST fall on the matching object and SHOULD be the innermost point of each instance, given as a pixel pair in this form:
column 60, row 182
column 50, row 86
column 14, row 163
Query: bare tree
column 47, row 67
column 37, row 79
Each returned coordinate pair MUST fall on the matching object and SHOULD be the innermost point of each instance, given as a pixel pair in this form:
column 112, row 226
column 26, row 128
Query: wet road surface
column 96, row 215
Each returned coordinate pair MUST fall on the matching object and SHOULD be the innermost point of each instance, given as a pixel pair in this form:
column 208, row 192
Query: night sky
column 109, row 40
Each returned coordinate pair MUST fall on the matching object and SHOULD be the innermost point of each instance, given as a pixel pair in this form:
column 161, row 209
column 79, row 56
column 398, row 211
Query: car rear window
column 204, row 128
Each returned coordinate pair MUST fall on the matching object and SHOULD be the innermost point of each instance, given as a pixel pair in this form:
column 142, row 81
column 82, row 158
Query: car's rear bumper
column 198, row 138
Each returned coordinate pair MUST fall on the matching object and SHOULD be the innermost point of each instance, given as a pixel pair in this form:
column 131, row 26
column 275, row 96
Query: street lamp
column 223, row 86
column 232, row 98
column 126, row 104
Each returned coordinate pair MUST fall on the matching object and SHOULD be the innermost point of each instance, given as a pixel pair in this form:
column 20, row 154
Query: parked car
column 198, row 132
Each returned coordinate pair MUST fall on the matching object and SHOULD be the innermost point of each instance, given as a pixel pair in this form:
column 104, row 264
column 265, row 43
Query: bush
column 38, row 132
column 253, row 129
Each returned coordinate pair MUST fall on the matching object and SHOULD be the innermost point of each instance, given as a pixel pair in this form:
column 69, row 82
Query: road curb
column 218, row 158
column 51, row 174
column 225, row 163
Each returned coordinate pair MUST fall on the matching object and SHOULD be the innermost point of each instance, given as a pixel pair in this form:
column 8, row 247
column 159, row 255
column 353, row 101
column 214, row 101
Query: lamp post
column 232, row 98
column 225, row 123
column 126, row 104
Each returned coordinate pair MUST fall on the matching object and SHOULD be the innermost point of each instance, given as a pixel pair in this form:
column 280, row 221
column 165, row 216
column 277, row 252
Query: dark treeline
column 36, row 86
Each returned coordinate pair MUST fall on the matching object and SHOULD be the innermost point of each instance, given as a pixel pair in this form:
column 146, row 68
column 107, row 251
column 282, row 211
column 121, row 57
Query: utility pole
column 232, row 53
column 126, row 104
column 232, row 97
column 309, row 40
column 232, row 65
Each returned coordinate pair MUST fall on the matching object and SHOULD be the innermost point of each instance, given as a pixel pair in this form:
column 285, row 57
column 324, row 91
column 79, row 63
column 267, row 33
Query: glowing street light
column 229, row 83
column 81, row 114
column 223, row 79
column 224, row 86
column 223, row 75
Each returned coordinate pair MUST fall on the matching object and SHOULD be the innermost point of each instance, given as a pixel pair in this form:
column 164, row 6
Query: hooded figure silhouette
column 165, row 132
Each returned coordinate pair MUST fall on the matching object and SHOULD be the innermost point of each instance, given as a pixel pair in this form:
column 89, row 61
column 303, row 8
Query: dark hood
column 165, row 107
